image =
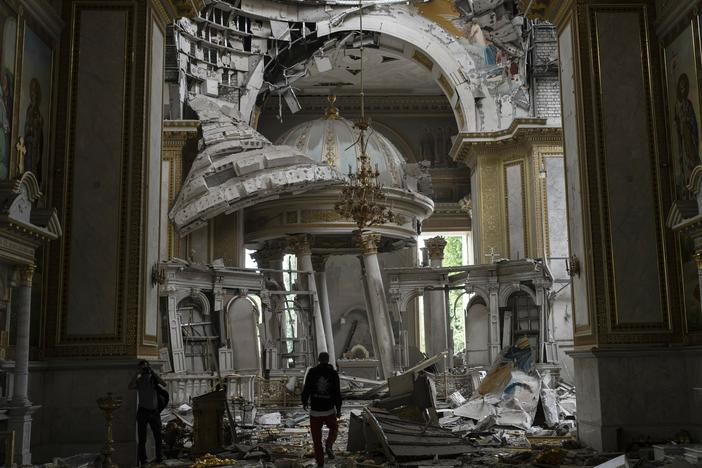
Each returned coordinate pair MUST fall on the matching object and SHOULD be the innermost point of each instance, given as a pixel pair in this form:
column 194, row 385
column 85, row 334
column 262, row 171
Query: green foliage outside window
column 453, row 256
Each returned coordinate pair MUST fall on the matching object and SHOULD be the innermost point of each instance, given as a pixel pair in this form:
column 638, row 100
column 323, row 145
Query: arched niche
column 353, row 329
column 199, row 333
column 526, row 317
column 477, row 329
column 241, row 326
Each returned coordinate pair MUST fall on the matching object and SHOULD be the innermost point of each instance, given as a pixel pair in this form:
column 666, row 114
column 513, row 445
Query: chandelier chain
column 362, row 197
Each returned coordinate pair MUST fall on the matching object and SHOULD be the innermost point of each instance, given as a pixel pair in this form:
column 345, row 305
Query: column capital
column 25, row 273
column 368, row 242
column 301, row 244
column 698, row 259
column 271, row 251
column 435, row 247
column 319, row 262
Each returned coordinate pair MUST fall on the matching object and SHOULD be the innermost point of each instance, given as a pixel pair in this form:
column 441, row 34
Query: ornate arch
column 474, row 301
column 480, row 291
column 196, row 296
column 408, row 296
column 426, row 43
column 507, row 290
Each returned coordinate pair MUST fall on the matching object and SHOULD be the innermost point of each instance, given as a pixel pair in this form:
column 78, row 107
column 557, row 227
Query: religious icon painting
column 8, row 46
column 35, row 104
column 683, row 108
column 683, row 115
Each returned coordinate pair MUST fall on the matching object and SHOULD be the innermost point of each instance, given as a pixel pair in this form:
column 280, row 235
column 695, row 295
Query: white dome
column 332, row 141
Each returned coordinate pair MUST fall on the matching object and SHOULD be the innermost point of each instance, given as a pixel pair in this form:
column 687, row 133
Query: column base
column 19, row 420
column 625, row 394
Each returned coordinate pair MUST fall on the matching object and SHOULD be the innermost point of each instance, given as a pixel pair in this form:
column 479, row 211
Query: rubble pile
column 512, row 415
column 514, row 396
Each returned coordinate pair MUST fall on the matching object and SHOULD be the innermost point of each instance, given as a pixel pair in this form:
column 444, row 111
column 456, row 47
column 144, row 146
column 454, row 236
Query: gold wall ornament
column 435, row 247
column 301, row 244
column 108, row 404
column 573, row 266
column 317, row 216
column 330, row 156
column 332, row 112
column 368, row 242
column 26, row 274
column 362, row 198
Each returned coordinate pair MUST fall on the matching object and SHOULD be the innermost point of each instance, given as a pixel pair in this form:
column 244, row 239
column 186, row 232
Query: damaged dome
column 332, row 140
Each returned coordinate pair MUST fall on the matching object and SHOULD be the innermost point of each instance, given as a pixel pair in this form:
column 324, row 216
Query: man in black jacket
column 323, row 389
column 144, row 382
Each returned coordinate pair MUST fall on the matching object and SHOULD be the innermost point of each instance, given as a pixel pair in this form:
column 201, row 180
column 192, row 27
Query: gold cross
column 21, row 152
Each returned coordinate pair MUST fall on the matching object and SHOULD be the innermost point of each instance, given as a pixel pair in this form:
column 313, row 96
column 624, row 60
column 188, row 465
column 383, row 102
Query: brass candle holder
column 108, row 404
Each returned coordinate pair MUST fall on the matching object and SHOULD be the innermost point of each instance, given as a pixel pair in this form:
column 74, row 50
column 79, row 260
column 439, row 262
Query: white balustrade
column 183, row 387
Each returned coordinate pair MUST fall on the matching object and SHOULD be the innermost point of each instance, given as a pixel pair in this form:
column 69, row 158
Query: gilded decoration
column 300, row 244
column 435, row 247
column 608, row 318
column 330, row 155
column 317, row 216
column 176, row 135
column 489, row 204
column 302, row 139
column 26, row 273
column 122, row 340
column 368, row 243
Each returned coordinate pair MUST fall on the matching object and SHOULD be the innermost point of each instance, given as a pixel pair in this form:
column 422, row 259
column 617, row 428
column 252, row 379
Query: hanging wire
column 363, row 94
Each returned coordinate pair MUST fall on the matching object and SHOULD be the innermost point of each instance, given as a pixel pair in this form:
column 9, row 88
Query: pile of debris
column 512, row 406
column 513, row 395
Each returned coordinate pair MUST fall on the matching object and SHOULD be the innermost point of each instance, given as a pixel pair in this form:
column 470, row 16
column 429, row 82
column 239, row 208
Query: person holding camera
column 146, row 383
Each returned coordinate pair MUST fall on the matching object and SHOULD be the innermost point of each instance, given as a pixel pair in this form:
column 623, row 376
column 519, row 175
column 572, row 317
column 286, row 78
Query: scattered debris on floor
column 514, row 414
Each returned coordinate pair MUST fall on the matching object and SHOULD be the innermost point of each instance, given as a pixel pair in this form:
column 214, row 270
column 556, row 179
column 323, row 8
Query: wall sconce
column 542, row 171
column 573, row 266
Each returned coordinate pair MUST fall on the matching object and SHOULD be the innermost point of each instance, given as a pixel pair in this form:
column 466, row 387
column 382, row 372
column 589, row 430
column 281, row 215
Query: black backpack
column 161, row 396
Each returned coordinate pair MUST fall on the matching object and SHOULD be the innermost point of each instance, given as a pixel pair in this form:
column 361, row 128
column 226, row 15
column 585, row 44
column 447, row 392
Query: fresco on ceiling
column 492, row 35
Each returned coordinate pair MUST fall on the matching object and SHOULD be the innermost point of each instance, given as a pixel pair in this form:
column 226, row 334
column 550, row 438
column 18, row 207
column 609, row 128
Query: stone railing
column 184, row 387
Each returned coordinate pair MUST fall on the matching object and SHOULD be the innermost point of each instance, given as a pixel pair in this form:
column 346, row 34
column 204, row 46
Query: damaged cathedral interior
column 486, row 214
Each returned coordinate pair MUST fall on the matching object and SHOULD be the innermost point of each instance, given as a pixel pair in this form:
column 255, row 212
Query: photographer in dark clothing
column 145, row 382
column 322, row 390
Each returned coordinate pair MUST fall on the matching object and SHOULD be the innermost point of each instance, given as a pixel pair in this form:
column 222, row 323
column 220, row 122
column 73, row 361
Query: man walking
column 323, row 392
column 145, row 382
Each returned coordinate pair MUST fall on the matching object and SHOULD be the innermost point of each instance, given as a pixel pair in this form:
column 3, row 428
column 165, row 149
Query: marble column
column 270, row 257
column 436, row 335
column 368, row 241
column 21, row 409
column 319, row 263
column 303, row 250
column 366, row 300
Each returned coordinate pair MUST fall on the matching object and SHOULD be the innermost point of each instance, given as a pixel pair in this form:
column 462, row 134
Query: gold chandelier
column 362, row 198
